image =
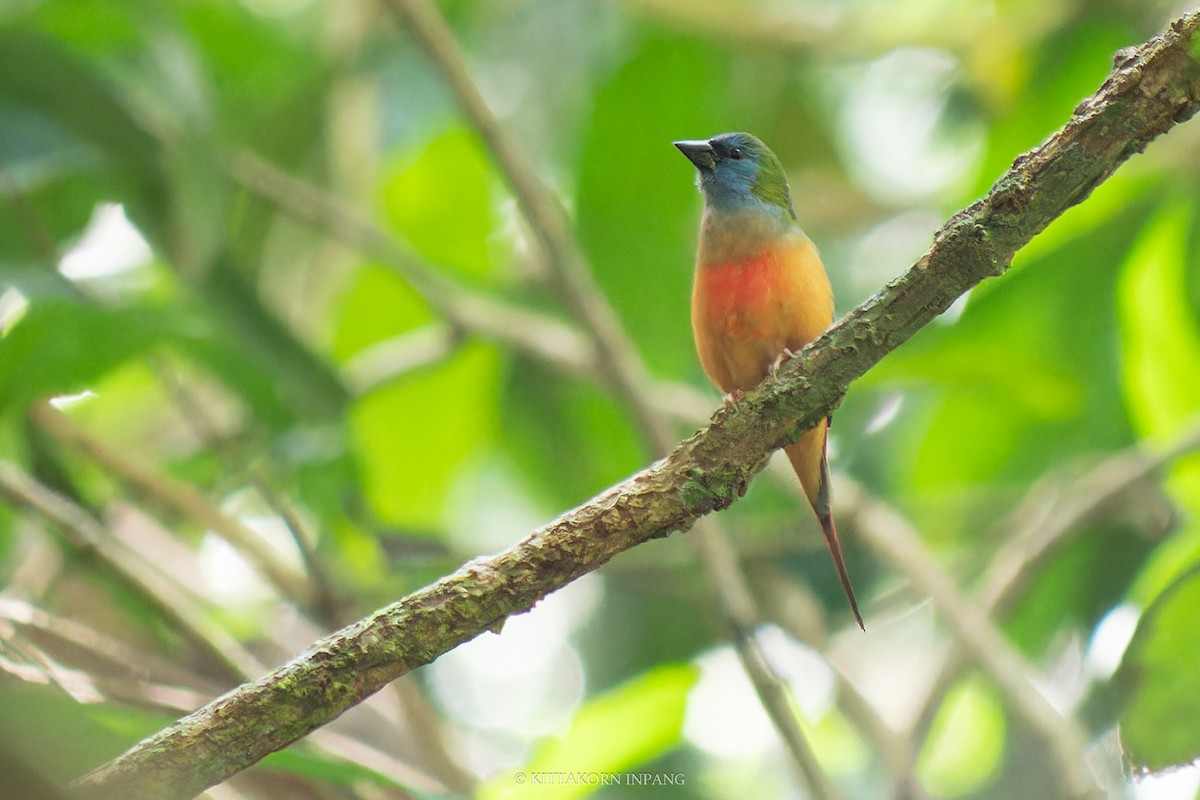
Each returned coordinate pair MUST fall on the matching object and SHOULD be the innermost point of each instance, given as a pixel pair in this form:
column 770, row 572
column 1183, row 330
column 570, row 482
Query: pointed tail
column 825, row 517
column 812, row 467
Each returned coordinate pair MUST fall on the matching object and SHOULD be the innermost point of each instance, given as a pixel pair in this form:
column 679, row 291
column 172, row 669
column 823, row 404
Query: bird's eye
column 736, row 153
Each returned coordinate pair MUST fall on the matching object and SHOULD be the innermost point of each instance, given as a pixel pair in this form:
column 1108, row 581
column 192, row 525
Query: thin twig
column 319, row 592
column 388, row 359
column 153, row 683
column 617, row 361
column 538, row 335
column 743, row 619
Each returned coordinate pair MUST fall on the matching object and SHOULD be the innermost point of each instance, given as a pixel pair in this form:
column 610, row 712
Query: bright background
column 267, row 427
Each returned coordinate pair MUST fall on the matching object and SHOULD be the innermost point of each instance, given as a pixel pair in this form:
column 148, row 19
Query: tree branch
column 1150, row 90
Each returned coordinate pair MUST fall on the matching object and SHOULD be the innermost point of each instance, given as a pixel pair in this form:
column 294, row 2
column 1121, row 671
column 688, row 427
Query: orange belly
column 746, row 312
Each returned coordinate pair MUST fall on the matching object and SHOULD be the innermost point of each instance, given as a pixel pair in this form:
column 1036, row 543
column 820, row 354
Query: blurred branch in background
column 1040, row 526
column 182, row 498
column 87, row 534
column 190, row 617
column 559, row 344
column 888, row 533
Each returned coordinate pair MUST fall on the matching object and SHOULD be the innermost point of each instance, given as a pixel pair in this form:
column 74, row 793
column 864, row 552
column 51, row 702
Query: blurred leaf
column 1173, row 557
column 35, row 720
column 412, row 436
column 1160, row 348
column 94, row 26
column 1160, row 331
column 60, row 347
column 1158, row 727
column 59, row 185
column 257, row 70
column 303, row 380
column 1078, row 586
column 966, row 743
column 594, row 444
column 613, row 732
column 376, row 305
column 836, row 743
column 304, row 762
column 443, row 201
column 40, row 74
column 639, row 210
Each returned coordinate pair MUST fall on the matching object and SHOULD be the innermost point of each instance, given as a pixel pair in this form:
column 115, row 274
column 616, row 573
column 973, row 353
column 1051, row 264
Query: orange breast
column 746, row 311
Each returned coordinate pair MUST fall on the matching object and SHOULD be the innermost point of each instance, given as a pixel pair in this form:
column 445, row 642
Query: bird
column 760, row 293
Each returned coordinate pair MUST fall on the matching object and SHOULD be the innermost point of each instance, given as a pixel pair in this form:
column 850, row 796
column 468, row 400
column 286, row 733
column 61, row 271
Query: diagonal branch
column 1150, row 90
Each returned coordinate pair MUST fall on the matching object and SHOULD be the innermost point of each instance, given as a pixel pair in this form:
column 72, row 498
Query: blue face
column 731, row 172
column 730, row 182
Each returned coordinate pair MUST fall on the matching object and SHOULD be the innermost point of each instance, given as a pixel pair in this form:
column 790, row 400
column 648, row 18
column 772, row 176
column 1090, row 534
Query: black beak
column 699, row 152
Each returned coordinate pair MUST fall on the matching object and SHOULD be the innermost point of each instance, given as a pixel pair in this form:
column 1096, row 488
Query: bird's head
column 737, row 171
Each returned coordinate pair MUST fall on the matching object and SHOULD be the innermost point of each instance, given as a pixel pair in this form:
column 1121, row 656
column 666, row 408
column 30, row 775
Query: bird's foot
column 779, row 359
column 735, row 398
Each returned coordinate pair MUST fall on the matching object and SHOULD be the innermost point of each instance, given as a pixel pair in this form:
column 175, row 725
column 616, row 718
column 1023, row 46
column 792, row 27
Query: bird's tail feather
column 809, row 460
column 825, row 517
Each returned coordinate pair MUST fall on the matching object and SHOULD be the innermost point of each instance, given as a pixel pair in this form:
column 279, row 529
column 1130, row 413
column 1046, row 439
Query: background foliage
column 277, row 429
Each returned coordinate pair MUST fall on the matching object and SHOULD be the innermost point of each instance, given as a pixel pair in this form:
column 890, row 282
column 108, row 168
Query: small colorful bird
column 760, row 294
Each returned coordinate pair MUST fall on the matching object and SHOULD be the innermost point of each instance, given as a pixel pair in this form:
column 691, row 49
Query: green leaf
column 40, row 74
column 303, row 762
column 1160, row 330
column 62, row 737
column 966, row 743
column 442, row 201
column 1173, row 557
column 1160, row 361
column 93, row 26
column 302, row 378
column 376, row 305
column 60, row 347
column 1158, row 727
column 413, row 436
column 639, row 210
column 1078, row 586
column 616, row 731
